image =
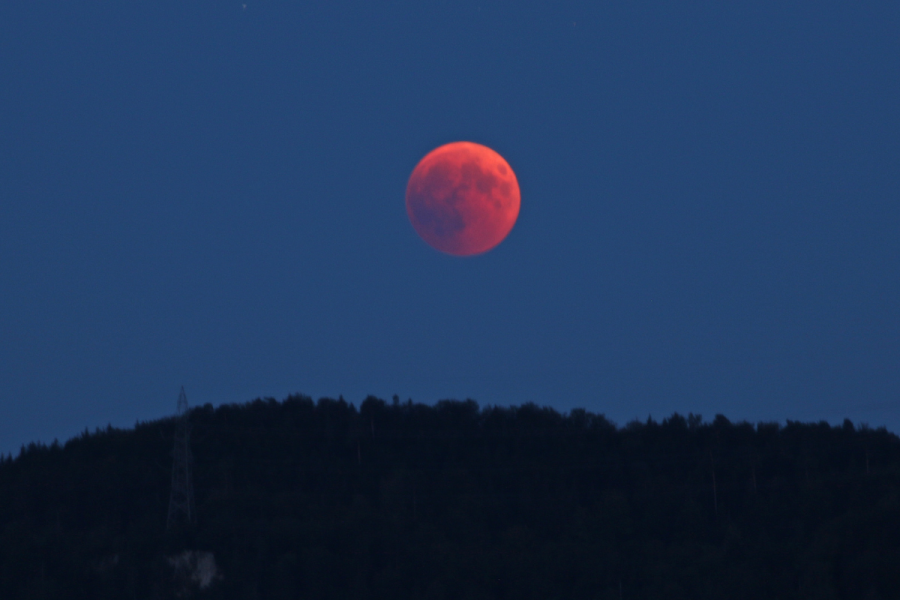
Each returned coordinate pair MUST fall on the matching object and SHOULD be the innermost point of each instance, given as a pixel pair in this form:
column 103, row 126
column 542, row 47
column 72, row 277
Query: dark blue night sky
column 212, row 194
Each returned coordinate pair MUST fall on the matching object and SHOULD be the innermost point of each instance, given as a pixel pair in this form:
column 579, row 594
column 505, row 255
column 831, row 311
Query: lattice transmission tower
column 181, row 499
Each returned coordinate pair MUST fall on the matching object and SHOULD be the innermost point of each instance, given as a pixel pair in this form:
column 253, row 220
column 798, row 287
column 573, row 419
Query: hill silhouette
column 303, row 499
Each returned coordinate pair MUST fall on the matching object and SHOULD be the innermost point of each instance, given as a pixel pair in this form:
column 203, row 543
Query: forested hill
column 297, row 499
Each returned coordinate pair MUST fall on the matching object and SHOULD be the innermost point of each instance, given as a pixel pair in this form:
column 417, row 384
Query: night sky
column 211, row 194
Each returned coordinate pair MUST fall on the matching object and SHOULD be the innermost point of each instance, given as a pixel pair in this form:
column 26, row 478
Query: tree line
column 304, row 499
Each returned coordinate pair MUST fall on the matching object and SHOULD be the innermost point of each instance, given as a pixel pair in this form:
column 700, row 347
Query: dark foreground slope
column 304, row 500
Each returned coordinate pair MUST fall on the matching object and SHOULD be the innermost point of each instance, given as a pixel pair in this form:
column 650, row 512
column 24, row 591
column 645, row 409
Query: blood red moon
column 463, row 198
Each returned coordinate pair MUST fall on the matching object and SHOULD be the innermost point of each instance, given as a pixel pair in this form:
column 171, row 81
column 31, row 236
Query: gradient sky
column 211, row 195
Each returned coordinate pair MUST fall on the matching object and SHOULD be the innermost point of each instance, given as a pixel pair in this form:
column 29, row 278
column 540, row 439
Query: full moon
column 462, row 198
